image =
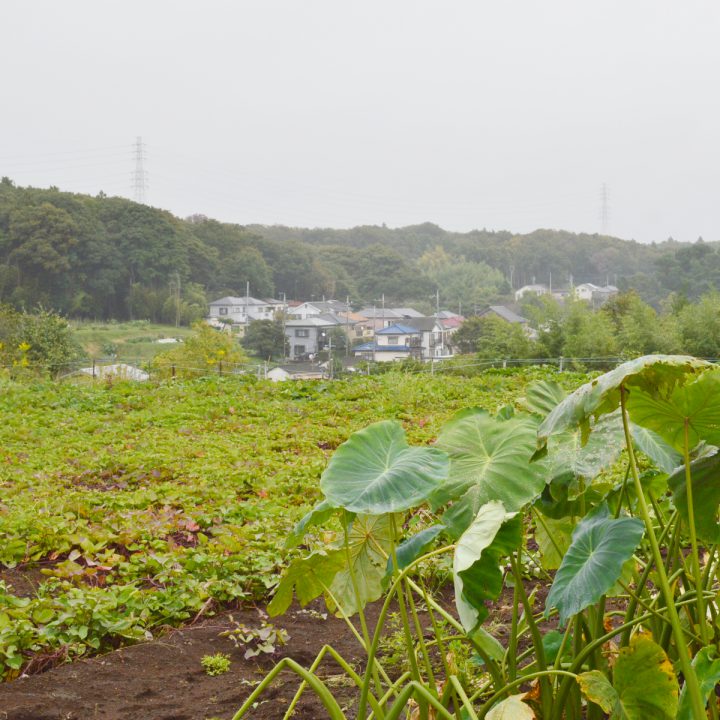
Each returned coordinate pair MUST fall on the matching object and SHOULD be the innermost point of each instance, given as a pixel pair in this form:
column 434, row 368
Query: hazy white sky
column 467, row 113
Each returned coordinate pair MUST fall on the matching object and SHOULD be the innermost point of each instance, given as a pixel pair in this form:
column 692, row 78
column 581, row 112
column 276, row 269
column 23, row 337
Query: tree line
column 108, row 257
column 625, row 326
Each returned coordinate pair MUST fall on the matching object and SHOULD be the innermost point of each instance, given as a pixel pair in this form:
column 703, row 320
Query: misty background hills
column 108, row 257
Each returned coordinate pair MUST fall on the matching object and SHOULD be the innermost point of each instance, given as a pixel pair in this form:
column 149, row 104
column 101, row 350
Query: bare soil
column 164, row 680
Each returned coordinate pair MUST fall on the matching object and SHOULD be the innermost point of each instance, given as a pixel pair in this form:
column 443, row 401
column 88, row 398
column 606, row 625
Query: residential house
column 422, row 338
column 509, row 316
column 296, row 371
column 319, row 307
column 595, row 294
column 382, row 317
column 307, row 337
column 241, row 310
column 434, row 340
column 531, row 290
column 504, row 313
column 394, row 342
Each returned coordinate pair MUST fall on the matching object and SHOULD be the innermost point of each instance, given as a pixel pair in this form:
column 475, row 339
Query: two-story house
column 394, row 342
column 241, row 310
column 318, row 307
column 309, row 336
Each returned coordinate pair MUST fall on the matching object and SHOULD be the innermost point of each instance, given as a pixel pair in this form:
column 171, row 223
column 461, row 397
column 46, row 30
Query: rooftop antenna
column 604, row 209
column 139, row 177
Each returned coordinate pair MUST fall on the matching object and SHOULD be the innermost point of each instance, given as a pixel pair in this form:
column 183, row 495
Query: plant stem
column 691, row 680
column 697, row 577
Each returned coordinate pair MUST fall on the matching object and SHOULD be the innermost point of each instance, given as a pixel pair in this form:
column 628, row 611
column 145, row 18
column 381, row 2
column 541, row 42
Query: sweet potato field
column 521, row 544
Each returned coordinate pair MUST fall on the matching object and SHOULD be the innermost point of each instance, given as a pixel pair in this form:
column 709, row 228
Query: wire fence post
column 560, row 363
column 219, row 367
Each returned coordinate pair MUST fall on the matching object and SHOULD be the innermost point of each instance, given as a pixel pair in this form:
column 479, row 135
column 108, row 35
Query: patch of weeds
column 216, row 664
column 256, row 640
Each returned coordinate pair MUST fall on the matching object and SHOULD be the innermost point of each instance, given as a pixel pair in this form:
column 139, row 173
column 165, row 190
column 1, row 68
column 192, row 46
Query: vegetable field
column 125, row 508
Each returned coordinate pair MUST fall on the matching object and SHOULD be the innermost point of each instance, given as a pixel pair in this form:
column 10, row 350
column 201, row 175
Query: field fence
column 111, row 369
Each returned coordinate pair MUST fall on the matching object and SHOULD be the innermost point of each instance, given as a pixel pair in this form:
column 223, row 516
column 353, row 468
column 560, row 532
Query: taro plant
column 608, row 497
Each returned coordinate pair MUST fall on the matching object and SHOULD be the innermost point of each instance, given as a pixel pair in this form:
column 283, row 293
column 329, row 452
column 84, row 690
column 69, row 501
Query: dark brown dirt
column 164, row 680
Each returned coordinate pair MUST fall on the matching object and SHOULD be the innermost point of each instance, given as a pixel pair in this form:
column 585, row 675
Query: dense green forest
column 109, row 257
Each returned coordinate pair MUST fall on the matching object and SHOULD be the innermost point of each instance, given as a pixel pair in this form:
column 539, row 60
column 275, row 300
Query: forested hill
column 108, row 257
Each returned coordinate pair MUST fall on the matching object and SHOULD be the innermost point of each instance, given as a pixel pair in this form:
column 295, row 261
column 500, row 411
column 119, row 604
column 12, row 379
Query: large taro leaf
column 494, row 533
column 652, row 444
column 488, row 461
column 705, row 475
column 308, row 577
column 707, row 669
column 375, row 471
column 602, row 395
column 567, row 453
column 696, row 402
column 594, row 561
column 321, row 513
column 542, row 397
column 644, row 684
column 369, row 542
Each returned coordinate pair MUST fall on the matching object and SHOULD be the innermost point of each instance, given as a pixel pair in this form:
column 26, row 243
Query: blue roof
column 398, row 329
column 372, row 347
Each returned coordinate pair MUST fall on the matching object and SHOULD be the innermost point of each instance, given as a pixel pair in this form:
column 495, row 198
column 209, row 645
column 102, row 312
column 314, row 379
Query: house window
column 299, row 350
column 393, row 339
column 302, row 332
column 223, row 311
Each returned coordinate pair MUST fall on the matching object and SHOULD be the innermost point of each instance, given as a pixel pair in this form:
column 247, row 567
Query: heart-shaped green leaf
column 308, row 577
column 705, row 475
column 696, row 403
column 375, row 471
column 493, row 534
column 594, row 561
column 369, row 543
column 602, row 395
column 489, row 460
column 543, row 396
column 652, row 444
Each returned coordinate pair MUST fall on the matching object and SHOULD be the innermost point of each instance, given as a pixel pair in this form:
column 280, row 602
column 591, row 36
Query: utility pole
column 177, row 299
column 604, row 209
column 347, row 326
column 139, row 177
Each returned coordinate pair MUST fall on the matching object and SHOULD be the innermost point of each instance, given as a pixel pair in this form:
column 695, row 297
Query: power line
column 139, row 177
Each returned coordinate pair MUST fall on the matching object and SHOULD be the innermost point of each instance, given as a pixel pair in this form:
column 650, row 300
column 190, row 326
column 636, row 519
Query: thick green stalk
column 328, row 650
column 545, row 687
column 691, row 681
column 313, row 681
column 511, row 653
column 543, row 674
column 697, row 577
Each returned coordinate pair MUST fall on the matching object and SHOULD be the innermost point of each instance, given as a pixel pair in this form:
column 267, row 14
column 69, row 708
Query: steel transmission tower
column 139, row 177
column 604, row 209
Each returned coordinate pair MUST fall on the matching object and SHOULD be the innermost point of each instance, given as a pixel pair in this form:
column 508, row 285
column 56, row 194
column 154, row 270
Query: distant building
column 504, row 313
column 307, row 337
column 319, row 307
column 531, row 290
column 241, row 310
column 596, row 295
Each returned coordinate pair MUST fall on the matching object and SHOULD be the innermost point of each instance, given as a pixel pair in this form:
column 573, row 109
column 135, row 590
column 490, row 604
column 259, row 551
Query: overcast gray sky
column 467, row 113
